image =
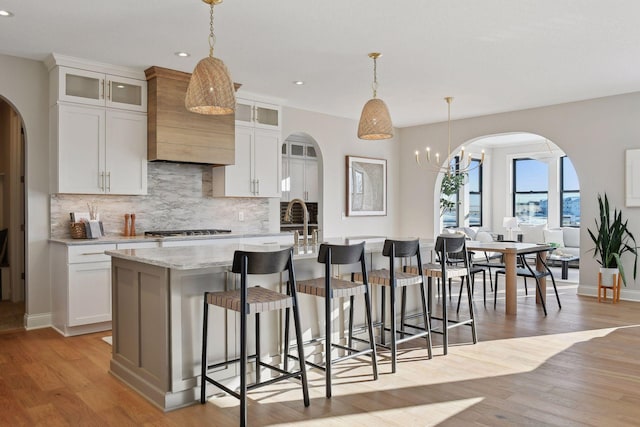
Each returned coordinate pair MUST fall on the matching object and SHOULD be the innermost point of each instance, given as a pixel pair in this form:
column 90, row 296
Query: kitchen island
column 157, row 314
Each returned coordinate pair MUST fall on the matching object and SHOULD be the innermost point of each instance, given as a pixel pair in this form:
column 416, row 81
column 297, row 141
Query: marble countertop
column 122, row 239
column 195, row 257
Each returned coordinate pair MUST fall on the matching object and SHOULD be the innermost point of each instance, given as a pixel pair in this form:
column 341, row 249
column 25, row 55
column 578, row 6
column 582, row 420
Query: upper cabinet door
column 126, row 153
column 125, row 93
column 257, row 114
column 86, row 87
column 81, row 147
column 267, row 116
column 99, row 89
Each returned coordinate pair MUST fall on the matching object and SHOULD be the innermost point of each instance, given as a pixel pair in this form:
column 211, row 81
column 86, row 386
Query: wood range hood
column 178, row 135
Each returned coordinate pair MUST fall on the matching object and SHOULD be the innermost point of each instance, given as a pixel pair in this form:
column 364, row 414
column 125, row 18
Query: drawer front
column 90, row 253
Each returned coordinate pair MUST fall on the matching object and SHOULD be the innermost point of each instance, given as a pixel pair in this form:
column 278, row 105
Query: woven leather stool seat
column 339, row 287
column 434, row 270
column 258, row 300
column 383, row 277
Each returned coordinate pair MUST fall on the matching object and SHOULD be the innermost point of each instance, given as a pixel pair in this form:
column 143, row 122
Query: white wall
column 593, row 133
column 25, row 85
column 337, row 138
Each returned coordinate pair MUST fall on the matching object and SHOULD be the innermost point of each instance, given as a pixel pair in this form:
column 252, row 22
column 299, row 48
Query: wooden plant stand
column 615, row 288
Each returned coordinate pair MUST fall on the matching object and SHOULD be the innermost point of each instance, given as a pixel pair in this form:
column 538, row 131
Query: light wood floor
column 577, row 366
column 11, row 315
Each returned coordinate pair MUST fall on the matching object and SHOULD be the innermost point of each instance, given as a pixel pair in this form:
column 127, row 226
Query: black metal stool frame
column 246, row 263
column 331, row 255
column 445, row 245
column 402, row 249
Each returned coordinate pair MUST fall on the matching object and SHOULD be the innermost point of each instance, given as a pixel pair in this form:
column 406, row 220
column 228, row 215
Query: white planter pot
column 607, row 276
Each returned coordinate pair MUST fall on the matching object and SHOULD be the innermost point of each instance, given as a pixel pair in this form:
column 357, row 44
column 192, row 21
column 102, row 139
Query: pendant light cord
column 212, row 38
column 374, row 85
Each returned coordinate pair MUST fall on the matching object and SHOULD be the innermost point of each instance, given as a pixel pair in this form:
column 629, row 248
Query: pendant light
column 211, row 89
column 375, row 121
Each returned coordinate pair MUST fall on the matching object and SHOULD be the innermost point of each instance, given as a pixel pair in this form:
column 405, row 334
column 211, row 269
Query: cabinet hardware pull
column 258, row 184
column 109, row 89
column 101, row 179
column 109, row 181
column 93, row 253
column 102, row 93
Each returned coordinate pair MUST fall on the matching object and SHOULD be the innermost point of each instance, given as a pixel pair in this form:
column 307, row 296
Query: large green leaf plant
column 612, row 239
column 451, row 184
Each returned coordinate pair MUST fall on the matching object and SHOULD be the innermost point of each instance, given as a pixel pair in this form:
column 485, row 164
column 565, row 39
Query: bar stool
column 446, row 246
column 394, row 278
column 254, row 300
column 329, row 287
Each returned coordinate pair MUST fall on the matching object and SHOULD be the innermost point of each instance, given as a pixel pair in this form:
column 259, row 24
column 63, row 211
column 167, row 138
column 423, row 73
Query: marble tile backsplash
column 179, row 197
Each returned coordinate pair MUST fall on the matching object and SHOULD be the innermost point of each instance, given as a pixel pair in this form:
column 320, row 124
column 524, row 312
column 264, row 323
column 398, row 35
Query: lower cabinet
column 81, row 288
column 89, row 293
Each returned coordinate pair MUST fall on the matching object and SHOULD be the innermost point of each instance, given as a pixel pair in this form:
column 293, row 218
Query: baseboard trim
column 37, row 321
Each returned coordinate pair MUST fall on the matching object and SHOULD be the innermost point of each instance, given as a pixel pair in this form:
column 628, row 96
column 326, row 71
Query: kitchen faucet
column 305, row 221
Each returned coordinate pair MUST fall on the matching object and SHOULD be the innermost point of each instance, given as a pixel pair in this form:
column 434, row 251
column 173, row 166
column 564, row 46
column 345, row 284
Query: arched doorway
column 526, row 176
column 302, row 179
column 12, row 217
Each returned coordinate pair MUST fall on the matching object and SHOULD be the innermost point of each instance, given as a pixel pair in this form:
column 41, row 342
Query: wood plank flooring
column 577, row 366
column 11, row 315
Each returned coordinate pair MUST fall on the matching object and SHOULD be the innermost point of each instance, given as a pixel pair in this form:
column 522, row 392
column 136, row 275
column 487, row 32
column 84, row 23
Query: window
column 474, row 184
column 569, row 194
column 531, row 187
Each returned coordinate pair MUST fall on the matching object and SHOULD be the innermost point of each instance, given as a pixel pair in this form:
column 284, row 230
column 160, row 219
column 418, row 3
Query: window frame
column 562, row 191
column 479, row 192
column 515, row 193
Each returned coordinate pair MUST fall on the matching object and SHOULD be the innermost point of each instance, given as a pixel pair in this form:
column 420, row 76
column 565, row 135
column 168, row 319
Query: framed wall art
column 366, row 186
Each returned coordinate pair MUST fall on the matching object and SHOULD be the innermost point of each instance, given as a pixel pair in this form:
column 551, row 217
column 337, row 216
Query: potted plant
column 612, row 239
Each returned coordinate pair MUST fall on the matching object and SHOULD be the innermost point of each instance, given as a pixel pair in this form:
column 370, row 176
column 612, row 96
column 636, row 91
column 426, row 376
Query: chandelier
column 210, row 89
column 375, row 121
column 453, row 164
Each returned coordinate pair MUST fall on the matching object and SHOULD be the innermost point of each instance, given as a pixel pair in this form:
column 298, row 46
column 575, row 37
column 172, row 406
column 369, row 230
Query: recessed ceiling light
column 298, row 82
column 6, row 14
column 182, row 54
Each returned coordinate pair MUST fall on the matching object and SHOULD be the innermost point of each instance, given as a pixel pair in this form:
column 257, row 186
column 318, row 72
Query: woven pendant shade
column 210, row 89
column 375, row 121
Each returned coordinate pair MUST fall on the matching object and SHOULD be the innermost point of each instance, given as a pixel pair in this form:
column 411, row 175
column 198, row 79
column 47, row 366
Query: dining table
column 510, row 252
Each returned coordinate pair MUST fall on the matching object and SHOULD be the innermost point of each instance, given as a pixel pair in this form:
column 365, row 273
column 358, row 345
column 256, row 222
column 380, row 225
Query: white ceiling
column 491, row 55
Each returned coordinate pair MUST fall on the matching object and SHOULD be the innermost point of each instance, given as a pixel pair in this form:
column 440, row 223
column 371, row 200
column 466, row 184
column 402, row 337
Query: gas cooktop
column 195, row 232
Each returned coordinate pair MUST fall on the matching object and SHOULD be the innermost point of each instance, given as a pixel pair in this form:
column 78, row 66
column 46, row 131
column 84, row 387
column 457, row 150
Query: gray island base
column 157, row 315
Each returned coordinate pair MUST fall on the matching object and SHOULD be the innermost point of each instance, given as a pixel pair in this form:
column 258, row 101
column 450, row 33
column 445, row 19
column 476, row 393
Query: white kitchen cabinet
column 257, row 114
column 256, row 172
column 300, row 172
column 98, row 89
column 98, row 127
column 98, row 150
column 82, row 286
